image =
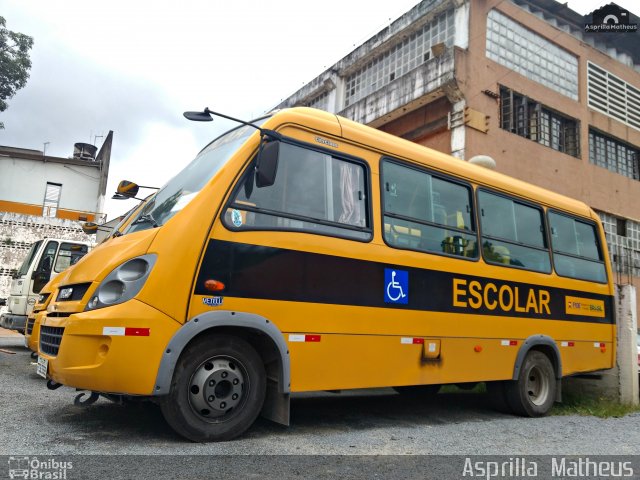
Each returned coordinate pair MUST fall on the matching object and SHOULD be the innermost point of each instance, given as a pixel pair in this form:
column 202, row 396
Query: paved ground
column 36, row 421
column 8, row 333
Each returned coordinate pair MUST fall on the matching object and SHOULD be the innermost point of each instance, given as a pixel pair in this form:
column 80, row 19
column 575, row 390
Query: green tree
column 14, row 63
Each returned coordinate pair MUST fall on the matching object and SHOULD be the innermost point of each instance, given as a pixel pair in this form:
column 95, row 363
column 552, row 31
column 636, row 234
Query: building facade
column 520, row 81
column 44, row 196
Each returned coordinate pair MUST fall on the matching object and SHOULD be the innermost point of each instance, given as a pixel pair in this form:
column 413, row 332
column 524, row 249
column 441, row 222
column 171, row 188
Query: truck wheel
column 217, row 390
column 534, row 392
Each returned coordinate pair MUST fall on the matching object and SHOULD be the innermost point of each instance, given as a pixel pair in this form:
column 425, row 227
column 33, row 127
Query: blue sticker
column 236, row 218
column 213, row 301
column 396, row 286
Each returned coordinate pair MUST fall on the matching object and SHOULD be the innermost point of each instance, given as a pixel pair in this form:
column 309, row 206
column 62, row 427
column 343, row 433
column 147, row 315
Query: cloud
column 133, row 67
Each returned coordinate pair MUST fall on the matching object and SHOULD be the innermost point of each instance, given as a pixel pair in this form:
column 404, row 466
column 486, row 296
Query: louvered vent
column 613, row 96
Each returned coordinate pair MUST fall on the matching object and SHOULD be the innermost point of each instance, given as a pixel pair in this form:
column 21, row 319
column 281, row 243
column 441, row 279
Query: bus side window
column 576, row 250
column 313, row 192
column 513, row 233
column 427, row 213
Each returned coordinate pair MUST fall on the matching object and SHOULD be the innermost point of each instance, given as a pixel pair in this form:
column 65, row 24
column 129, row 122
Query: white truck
column 46, row 258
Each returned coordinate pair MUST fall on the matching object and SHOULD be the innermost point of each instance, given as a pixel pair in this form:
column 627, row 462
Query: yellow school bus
column 32, row 330
column 306, row 252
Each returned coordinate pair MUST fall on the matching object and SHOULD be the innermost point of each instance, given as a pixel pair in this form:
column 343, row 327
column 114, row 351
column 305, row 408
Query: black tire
column 534, row 393
column 217, row 390
column 418, row 390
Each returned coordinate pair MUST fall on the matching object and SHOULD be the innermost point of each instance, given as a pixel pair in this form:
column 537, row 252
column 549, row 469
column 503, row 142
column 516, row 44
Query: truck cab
column 45, row 259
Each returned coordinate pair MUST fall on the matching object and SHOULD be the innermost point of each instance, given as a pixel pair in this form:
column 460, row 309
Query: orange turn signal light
column 214, row 285
column 477, row 349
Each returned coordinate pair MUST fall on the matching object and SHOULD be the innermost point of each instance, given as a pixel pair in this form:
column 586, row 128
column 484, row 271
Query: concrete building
column 44, row 196
column 521, row 81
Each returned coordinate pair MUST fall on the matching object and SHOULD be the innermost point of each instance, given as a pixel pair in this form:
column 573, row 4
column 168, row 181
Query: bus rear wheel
column 534, row 392
column 217, row 390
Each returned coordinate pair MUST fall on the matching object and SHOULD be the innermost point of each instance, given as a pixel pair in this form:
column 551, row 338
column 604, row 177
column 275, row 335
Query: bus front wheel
column 534, row 392
column 217, row 390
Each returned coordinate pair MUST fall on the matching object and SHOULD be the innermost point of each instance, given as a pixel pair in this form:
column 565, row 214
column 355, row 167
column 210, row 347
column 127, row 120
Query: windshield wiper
column 146, row 218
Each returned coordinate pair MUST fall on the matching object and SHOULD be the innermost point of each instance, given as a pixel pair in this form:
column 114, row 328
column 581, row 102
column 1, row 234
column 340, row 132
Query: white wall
column 25, row 181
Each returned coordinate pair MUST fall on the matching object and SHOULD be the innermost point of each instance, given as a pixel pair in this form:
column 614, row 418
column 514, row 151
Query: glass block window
column 401, row 59
column 530, row 119
column 613, row 96
column 321, row 102
column 614, row 155
column 518, row 48
column 624, row 250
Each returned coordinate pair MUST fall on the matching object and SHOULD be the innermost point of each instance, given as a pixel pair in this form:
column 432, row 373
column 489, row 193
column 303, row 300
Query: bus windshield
column 24, row 268
column 182, row 188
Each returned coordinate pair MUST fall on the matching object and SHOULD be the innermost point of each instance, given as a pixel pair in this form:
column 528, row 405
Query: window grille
column 321, row 102
column 401, row 59
column 614, row 155
column 527, row 118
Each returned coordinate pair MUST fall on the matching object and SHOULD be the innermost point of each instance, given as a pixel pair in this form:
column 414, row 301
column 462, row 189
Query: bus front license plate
column 43, row 366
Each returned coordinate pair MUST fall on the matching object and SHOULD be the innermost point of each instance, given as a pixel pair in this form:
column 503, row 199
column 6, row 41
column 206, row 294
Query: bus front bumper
column 115, row 349
column 13, row 322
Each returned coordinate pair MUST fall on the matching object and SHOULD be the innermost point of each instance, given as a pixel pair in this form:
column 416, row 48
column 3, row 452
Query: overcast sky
column 134, row 66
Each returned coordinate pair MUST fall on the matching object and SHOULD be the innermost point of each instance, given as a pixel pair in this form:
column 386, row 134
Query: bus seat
column 502, row 254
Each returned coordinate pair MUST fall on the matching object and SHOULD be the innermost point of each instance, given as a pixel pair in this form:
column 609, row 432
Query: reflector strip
column 412, row 341
column 129, row 332
column 136, row 332
column 567, row 344
column 114, row 331
column 509, row 343
column 304, row 338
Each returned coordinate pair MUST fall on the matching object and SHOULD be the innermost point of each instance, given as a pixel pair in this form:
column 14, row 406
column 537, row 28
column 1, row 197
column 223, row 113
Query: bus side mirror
column 127, row 189
column 267, row 164
column 90, row 228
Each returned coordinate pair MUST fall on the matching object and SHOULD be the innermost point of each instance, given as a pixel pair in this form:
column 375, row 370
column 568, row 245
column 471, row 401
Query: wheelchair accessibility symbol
column 396, row 286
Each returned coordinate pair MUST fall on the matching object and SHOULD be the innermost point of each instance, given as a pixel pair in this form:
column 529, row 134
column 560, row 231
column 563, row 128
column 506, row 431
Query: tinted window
column 313, row 191
column 24, row 268
column 184, row 187
column 512, row 233
column 46, row 262
column 576, row 251
column 69, row 254
column 424, row 212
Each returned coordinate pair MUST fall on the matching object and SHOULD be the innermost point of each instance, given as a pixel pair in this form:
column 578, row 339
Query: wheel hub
column 216, row 388
column 537, row 386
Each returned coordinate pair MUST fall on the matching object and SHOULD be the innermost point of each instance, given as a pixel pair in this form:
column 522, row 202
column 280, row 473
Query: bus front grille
column 50, row 338
column 30, row 323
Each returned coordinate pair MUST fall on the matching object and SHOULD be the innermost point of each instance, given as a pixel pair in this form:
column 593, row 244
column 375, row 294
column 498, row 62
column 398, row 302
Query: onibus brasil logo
column 36, row 468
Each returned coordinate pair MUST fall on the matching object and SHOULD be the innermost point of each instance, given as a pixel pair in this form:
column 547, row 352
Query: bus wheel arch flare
column 297, row 249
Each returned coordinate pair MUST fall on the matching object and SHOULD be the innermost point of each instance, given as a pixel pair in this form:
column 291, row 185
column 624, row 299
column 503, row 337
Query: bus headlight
column 123, row 283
